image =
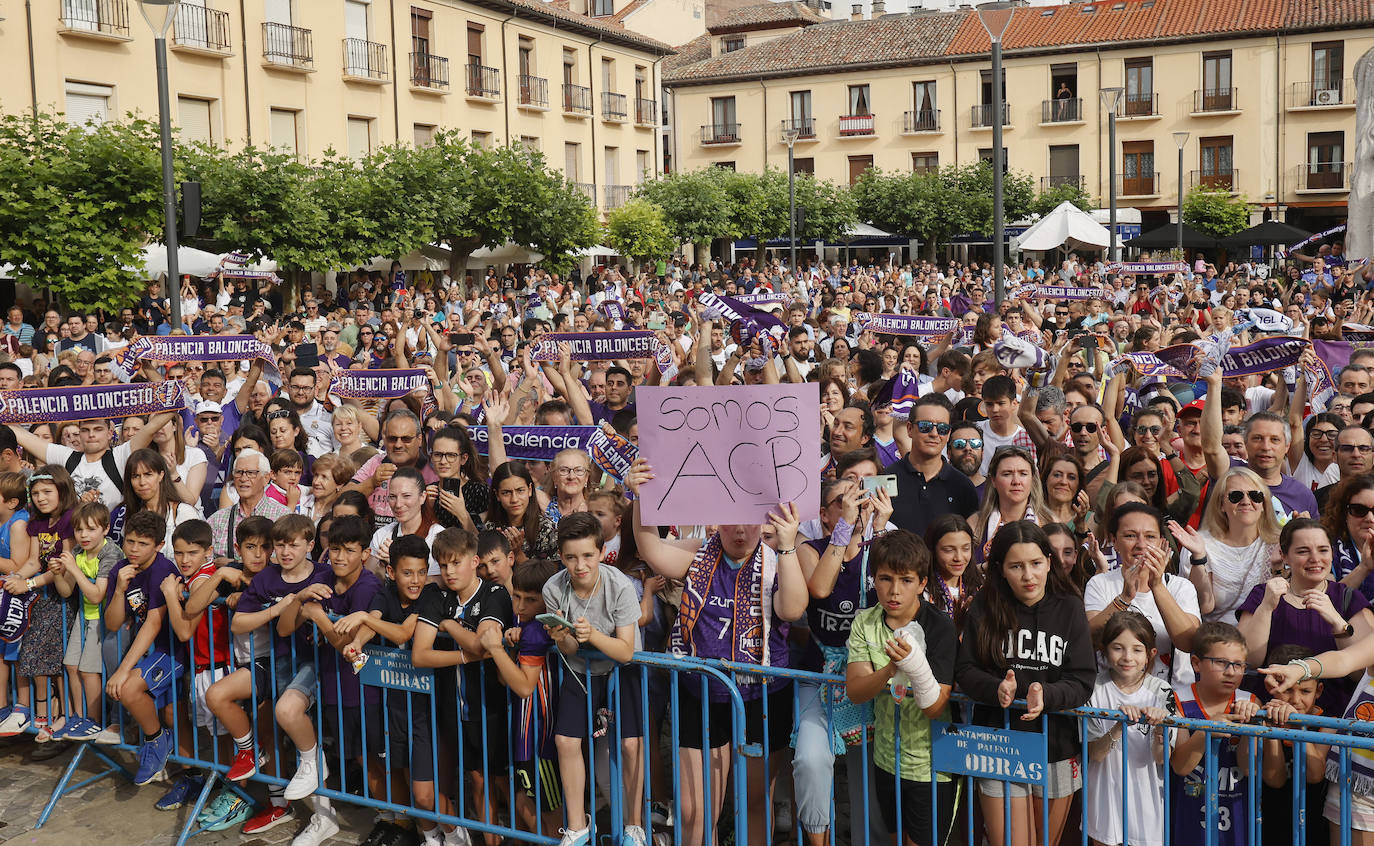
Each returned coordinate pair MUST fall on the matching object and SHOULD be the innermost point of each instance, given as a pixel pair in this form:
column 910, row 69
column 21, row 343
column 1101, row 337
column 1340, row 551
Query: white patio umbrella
column 1067, row 226
column 505, row 254
column 190, row 261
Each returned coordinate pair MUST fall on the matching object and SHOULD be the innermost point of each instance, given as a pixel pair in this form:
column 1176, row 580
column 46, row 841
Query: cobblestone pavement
column 113, row 811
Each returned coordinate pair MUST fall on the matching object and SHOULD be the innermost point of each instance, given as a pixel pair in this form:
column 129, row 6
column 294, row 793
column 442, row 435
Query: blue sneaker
column 181, row 792
column 152, row 757
column 16, row 722
column 80, row 729
column 225, row 812
column 215, row 808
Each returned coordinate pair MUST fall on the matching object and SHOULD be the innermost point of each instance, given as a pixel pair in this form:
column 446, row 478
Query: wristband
column 842, row 533
column 1306, row 670
column 30, row 584
column 787, row 551
column 1201, row 562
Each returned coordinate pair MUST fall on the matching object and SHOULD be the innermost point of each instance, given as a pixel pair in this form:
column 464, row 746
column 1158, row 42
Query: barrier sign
column 1000, row 754
column 391, row 668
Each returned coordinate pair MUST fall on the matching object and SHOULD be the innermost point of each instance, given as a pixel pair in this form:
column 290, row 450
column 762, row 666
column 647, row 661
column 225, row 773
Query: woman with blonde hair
column 349, row 430
column 1012, row 493
column 1233, row 551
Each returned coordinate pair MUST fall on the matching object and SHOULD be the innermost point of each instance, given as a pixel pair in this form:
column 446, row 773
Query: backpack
column 107, row 463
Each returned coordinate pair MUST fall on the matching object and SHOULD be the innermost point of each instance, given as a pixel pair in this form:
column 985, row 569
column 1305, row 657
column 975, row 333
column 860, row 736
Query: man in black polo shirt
column 927, row 485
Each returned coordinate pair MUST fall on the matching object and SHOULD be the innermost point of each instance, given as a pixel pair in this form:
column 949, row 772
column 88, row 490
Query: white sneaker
column 434, row 836
column 321, row 828
column 311, row 771
column 457, row 837
column 573, row 836
column 633, row 836
column 14, row 724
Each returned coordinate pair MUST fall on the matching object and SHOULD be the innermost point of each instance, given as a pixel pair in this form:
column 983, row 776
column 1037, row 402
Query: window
column 355, row 19
column 608, row 74
column 283, row 126
column 643, row 166
column 985, row 155
column 1216, row 158
column 1325, row 160
column 723, row 114
column 1140, row 87
column 1063, row 165
column 985, row 87
column 480, row 138
column 1064, row 93
column 1138, row 168
column 88, row 103
column 1328, row 64
column 724, row 165
column 925, row 162
column 612, row 159
column 572, row 161
column 424, row 134
column 569, row 66
column 859, row 164
column 806, row 165
column 530, row 143
column 858, row 100
column 1216, row 82
column 526, row 56
column 731, row 43
column 359, row 137
column 640, row 83
column 474, row 44
column 800, row 103
column 420, row 21
column 193, row 116
column 603, row 8
column 923, row 96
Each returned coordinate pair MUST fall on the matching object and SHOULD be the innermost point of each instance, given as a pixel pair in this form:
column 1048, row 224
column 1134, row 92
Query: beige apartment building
column 1264, row 91
column 310, row 75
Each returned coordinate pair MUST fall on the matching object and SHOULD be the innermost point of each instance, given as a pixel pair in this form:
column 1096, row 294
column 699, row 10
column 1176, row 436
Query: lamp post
column 995, row 18
column 790, row 133
column 159, row 14
column 1181, row 140
column 1111, row 97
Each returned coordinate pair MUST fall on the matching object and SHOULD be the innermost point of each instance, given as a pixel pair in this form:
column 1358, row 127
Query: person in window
column 1064, row 102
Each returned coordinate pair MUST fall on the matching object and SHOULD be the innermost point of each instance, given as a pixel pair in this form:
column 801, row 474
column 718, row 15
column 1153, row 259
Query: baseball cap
column 1195, row 405
column 209, row 407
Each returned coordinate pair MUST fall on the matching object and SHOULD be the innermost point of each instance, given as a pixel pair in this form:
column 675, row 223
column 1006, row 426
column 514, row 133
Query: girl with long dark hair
column 516, row 513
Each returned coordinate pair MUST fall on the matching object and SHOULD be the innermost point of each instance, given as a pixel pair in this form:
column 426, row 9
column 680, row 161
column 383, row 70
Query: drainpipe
column 591, row 86
column 33, row 77
column 1278, row 123
column 764, row 134
column 656, row 75
column 395, row 81
column 247, row 105
column 505, row 74
column 1099, row 139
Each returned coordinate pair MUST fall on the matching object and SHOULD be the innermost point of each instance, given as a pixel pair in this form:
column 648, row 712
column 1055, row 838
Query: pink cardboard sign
column 729, row 455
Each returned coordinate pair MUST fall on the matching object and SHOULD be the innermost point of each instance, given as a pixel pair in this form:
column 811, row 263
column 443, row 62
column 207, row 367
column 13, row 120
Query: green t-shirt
column 866, row 638
column 97, row 566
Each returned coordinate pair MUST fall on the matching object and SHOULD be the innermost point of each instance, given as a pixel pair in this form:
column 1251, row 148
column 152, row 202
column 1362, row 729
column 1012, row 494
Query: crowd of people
column 1036, row 531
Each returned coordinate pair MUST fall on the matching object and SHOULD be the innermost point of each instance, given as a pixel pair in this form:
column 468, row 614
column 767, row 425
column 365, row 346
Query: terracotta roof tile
column 696, row 50
column 605, row 27
column 765, row 14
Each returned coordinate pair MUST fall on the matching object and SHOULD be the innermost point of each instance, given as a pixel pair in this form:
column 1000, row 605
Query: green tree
column 1215, row 213
column 77, row 204
column 638, row 230
column 1072, row 192
column 921, row 204
column 972, row 183
column 695, row 204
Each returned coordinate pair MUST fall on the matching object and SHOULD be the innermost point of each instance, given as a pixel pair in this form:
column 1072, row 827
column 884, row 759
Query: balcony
column 614, row 106
column 577, row 100
column 921, row 120
column 1215, row 101
column 646, row 112
column 1138, row 185
column 429, row 73
column 288, row 47
column 720, row 134
column 1049, row 183
column 1062, row 110
column 364, row 61
column 982, row 115
column 588, row 190
column 1212, row 180
column 197, row 29
column 804, row 127
column 1322, row 177
column 107, row 19
column 1138, row 106
column 534, row 92
column 617, row 195
column 1328, row 94
column 483, row 83
column 854, row 126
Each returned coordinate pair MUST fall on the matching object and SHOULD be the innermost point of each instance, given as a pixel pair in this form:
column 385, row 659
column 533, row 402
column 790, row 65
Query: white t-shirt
column 991, row 441
column 1104, row 587
column 193, row 457
column 90, row 475
column 1102, row 794
column 1235, row 571
column 392, row 531
column 1309, row 476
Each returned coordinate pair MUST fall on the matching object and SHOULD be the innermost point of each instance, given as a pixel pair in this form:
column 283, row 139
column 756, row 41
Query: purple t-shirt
column 268, row 588
column 1302, row 627
column 717, row 619
column 143, row 595
column 1292, row 495
column 601, row 413
column 50, row 534
column 334, row 682
column 831, row 618
column 534, row 729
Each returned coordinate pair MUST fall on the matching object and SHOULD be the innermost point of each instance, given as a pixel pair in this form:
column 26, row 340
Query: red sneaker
column 244, row 765
column 268, row 818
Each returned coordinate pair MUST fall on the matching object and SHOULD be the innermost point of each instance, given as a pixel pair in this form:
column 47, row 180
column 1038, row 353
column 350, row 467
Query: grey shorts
column 84, row 652
column 1062, row 778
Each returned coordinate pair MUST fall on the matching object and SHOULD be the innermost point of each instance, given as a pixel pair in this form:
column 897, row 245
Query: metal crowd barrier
column 958, row 749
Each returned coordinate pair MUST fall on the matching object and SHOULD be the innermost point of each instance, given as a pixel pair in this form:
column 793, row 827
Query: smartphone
column 658, row 325
column 550, row 620
column 886, row 483
column 463, row 339
column 1088, row 342
column 453, row 485
column 307, row 355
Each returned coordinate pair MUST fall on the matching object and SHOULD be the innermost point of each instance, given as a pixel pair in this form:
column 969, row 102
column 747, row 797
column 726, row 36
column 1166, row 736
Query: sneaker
column 233, row 812
column 108, row 736
column 181, row 791
column 571, row 837
column 321, row 828
column 381, row 831
column 216, row 807
column 81, row 729
column 5, row 712
column 16, row 723
column 152, row 757
column 661, row 814
column 633, row 836
column 268, row 818
column 311, row 771
column 245, row 766
column 433, row 837
column 457, row 837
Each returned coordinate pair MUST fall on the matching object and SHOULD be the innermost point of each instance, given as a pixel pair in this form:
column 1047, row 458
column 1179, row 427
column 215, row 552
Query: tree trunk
column 460, row 250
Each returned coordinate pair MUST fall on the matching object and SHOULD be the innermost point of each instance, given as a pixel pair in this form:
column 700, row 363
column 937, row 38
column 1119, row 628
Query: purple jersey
column 334, row 683
column 830, row 618
column 534, row 729
column 1188, row 794
column 714, row 635
column 143, row 594
column 268, row 588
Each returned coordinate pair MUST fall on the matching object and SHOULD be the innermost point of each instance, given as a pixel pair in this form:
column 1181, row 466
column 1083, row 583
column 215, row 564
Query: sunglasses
column 1349, row 449
column 1090, row 428
column 925, row 427
column 1358, row 511
column 1235, row 497
column 1149, row 430
column 967, row 443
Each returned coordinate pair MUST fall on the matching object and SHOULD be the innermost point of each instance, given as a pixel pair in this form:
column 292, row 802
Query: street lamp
column 1111, row 97
column 790, row 133
column 995, row 18
column 159, row 14
column 1180, row 139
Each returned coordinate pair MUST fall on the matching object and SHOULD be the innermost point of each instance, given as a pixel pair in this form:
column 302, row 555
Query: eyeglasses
column 1362, row 449
column 925, row 427
column 1090, row 428
column 246, row 474
column 1226, row 666
column 309, row 387
column 404, row 440
column 574, row 472
column 1358, row 511
column 444, row 456
column 1149, row 430
column 966, row 443
column 1234, row 497
column 1325, row 434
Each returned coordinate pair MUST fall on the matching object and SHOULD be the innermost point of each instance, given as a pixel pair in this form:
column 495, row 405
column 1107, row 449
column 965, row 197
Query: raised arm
column 667, row 559
column 1218, row 462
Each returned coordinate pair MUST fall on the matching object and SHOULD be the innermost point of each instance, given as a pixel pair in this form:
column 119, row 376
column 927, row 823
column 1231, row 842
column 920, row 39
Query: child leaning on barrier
column 1128, row 647
column 1277, row 764
column 901, row 656
column 89, row 570
column 14, row 552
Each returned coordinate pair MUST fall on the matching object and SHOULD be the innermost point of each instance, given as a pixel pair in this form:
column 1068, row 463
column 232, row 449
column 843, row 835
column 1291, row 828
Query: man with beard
column 928, row 486
column 966, row 453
